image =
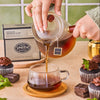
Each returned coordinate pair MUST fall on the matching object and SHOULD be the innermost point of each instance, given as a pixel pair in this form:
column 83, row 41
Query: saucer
column 45, row 94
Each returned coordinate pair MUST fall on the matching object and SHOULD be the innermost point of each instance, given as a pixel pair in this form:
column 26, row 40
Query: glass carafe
column 58, row 35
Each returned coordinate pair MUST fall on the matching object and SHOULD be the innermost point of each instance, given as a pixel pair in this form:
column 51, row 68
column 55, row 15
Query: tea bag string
column 57, row 43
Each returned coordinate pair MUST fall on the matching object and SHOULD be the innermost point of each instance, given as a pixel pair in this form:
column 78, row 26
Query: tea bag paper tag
column 58, row 51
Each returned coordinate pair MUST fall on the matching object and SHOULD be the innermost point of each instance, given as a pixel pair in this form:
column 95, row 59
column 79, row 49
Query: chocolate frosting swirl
column 4, row 61
column 92, row 65
column 96, row 81
column 96, row 59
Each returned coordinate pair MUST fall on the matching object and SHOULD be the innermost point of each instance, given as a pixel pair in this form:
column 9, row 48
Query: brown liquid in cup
column 52, row 83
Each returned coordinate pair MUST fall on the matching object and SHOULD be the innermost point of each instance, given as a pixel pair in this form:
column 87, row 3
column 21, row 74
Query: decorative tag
column 57, row 51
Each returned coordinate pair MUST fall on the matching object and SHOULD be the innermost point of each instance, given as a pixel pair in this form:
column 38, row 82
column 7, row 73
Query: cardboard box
column 19, row 43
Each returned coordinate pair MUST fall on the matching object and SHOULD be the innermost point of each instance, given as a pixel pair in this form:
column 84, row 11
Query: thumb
column 28, row 10
column 58, row 4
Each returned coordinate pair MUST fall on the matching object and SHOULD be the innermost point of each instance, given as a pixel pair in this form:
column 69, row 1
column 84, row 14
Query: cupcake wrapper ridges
column 94, row 93
column 88, row 77
column 6, row 71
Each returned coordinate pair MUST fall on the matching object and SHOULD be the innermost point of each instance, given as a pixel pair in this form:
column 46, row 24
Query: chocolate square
column 84, row 95
column 13, row 77
column 81, row 90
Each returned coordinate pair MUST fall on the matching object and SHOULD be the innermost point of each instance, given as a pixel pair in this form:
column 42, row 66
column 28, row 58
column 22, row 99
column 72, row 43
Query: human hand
column 86, row 27
column 40, row 10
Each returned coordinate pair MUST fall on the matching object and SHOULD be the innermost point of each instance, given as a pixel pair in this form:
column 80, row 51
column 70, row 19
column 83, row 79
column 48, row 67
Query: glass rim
column 33, row 66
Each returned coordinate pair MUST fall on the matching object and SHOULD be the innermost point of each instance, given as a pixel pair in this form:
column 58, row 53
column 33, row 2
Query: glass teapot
column 58, row 35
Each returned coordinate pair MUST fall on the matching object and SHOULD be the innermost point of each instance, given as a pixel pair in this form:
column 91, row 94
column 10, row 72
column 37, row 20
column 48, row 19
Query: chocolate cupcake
column 96, row 59
column 6, row 66
column 89, row 71
column 94, row 88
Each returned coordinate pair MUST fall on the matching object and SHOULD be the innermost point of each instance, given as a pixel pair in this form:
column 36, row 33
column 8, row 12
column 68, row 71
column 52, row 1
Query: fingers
column 40, row 12
column 76, row 32
column 28, row 10
column 97, row 36
column 82, row 32
column 34, row 20
column 79, row 31
column 45, row 9
column 38, row 16
column 53, row 1
column 94, row 36
column 58, row 4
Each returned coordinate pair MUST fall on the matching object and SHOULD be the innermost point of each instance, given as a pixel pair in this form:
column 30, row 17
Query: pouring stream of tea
column 46, row 61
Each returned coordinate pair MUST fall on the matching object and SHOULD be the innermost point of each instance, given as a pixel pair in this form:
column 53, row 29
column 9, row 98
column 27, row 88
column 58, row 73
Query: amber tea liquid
column 47, row 51
column 53, row 83
column 66, row 45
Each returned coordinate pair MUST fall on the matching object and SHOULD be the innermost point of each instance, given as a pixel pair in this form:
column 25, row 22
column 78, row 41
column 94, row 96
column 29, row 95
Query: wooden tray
column 45, row 94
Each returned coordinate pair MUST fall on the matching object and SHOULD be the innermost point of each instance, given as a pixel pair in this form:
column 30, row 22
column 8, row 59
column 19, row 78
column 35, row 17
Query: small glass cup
column 39, row 79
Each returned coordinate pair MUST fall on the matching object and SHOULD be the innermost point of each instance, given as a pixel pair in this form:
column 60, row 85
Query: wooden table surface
column 72, row 62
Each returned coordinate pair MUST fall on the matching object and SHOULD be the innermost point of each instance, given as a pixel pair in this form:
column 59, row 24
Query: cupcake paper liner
column 6, row 71
column 99, row 65
column 88, row 77
column 94, row 93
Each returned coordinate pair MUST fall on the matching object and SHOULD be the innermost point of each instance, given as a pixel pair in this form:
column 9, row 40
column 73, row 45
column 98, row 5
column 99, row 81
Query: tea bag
column 57, row 50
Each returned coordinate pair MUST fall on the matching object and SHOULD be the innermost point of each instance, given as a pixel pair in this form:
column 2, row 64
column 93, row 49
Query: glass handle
column 66, row 73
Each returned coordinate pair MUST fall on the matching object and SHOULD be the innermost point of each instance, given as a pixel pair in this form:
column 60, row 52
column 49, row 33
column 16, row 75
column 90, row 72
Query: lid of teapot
column 54, row 29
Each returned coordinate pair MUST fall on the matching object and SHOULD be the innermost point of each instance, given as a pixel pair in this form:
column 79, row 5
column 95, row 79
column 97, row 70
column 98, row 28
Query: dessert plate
column 45, row 94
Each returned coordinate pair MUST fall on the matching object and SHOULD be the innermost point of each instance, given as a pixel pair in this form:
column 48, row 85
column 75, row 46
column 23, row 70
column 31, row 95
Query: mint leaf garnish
column 93, row 99
column 86, row 64
column 4, row 82
column 3, row 98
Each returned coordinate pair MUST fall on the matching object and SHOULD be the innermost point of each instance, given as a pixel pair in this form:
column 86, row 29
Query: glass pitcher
column 58, row 35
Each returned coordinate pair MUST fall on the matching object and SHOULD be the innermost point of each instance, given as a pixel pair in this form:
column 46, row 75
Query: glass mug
column 39, row 79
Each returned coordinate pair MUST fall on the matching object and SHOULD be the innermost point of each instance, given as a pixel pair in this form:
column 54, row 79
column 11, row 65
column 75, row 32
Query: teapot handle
column 71, row 28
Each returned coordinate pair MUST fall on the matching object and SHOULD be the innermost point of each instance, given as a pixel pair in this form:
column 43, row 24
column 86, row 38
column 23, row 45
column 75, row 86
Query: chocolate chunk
column 13, row 77
column 84, row 95
column 81, row 90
